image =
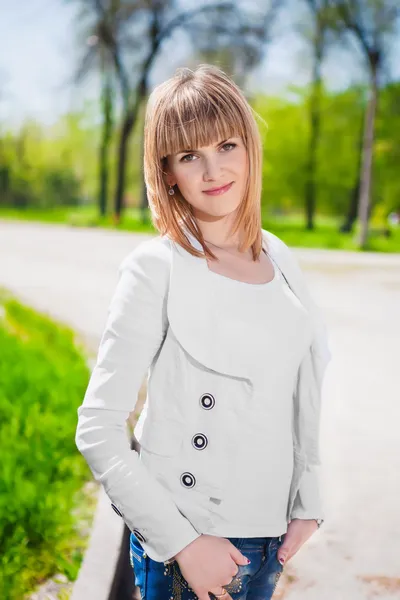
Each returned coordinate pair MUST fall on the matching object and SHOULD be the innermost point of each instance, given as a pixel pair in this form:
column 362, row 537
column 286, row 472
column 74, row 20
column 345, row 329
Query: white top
column 276, row 329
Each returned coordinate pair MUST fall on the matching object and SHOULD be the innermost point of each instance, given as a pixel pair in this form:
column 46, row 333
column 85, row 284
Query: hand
column 208, row 563
column 298, row 532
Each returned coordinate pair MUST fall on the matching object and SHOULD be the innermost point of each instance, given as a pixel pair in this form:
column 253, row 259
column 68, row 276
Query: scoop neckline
column 261, row 285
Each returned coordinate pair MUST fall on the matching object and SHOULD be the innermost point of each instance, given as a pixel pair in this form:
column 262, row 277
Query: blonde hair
column 195, row 108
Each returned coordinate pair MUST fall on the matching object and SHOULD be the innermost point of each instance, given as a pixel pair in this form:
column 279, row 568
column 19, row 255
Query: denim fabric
column 256, row 581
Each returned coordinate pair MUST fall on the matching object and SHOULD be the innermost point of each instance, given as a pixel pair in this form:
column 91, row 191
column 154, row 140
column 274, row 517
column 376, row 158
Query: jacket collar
column 209, row 339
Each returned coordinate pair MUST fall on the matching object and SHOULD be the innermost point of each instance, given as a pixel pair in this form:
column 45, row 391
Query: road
column 70, row 273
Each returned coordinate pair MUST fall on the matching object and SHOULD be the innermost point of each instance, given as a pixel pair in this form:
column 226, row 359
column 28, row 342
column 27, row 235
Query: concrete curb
column 99, row 567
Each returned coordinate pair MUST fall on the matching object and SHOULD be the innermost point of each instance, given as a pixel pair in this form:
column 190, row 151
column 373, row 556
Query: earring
column 171, row 190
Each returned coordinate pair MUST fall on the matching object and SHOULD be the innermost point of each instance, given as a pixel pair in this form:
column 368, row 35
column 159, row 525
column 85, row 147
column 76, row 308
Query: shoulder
column 286, row 259
column 152, row 253
column 150, row 260
column 277, row 246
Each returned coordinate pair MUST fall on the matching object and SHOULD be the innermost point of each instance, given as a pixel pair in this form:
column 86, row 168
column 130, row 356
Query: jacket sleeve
column 135, row 328
column 307, row 503
column 308, row 398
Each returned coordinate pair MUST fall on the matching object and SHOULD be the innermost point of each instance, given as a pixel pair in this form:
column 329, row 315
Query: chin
column 219, row 209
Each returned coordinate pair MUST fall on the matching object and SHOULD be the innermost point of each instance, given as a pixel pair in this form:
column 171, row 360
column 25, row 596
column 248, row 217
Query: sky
column 39, row 52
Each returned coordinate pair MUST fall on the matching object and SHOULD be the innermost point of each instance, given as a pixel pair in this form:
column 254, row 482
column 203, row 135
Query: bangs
column 193, row 119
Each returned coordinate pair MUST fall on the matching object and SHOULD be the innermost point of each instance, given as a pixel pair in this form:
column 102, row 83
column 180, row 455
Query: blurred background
column 75, row 76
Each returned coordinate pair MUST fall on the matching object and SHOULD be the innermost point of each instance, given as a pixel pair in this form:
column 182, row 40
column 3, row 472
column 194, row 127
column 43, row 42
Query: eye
column 230, row 144
column 183, row 158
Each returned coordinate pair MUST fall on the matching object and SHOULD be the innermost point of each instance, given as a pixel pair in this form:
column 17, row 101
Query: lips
column 220, row 190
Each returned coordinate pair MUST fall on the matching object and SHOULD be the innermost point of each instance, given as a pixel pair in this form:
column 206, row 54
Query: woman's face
column 199, row 170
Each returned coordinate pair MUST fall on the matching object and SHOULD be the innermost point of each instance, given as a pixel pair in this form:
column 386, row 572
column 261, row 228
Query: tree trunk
column 366, row 168
column 130, row 118
column 107, row 109
column 315, row 122
column 351, row 216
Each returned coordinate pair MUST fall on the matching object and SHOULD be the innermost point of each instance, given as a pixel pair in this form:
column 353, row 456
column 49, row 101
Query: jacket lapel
column 208, row 336
column 195, row 320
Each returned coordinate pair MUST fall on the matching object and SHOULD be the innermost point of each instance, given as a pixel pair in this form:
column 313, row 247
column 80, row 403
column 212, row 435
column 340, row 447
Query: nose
column 211, row 170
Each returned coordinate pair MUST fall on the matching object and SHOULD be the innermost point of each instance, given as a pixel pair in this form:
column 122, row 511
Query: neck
column 223, row 247
column 218, row 233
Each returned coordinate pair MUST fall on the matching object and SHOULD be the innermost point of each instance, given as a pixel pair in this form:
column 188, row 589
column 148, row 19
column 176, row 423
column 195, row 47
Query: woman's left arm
column 307, row 503
column 308, row 396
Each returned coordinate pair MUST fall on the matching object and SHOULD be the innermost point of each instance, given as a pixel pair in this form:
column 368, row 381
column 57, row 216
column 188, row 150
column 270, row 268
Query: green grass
column 289, row 227
column 45, row 506
column 326, row 235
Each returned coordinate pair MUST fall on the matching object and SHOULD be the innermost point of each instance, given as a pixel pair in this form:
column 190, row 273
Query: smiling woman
column 228, row 463
column 206, row 142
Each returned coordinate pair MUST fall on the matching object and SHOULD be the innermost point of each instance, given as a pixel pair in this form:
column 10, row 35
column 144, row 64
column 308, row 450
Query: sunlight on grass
column 46, row 487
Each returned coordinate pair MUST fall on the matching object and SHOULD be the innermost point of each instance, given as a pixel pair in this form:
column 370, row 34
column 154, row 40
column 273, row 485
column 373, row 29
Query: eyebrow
column 193, row 150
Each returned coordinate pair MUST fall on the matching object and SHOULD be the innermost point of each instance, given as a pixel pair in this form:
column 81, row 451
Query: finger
column 202, row 595
column 283, row 554
column 237, row 556
column 214, row 593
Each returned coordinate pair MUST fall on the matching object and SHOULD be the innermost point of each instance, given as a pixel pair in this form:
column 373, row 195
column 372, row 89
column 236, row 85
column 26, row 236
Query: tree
column 239, row 47
column 319, row 38
column 98, row 29
column 372, row 23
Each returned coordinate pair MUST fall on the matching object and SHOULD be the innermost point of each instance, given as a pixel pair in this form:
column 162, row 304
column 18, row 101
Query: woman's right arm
column 134, row 331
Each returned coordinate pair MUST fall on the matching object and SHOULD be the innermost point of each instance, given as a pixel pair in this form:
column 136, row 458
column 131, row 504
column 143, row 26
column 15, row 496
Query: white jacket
column 161, row 321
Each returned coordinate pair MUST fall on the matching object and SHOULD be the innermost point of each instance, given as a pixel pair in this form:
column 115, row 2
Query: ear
column 169, row 179
column 167, row 175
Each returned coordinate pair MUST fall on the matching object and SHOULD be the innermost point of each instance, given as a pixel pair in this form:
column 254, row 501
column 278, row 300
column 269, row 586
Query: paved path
column 71, row 274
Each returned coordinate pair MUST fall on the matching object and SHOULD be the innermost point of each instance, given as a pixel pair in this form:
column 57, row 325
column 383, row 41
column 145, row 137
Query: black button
column 207, row 401
column 188, row 480
column 139, row 535
column 199, row 441
column 116, row 509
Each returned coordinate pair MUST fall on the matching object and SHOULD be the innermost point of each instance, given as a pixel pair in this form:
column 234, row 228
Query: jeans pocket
column 278, row 568
column 274, row 547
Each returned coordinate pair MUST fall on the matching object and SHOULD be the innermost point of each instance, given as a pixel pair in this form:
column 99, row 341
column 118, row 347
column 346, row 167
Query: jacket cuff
column 136, row 495
column 152, row 515
column 307, row 503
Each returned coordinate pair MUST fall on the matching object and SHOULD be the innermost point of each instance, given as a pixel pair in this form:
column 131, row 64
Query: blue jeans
column 256, row 581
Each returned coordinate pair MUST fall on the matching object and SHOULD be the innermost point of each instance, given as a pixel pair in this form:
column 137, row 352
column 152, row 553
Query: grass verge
column 47, row 495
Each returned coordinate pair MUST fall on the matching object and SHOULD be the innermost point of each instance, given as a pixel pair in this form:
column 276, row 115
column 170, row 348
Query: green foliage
column 338, row 152
column 44, row 375
column 47, row 168
column 285, row 143
column 387, row 150
column 291, row 229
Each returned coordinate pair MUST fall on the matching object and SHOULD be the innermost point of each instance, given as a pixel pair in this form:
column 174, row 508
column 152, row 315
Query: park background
column 75, row 75
column 324, row 75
